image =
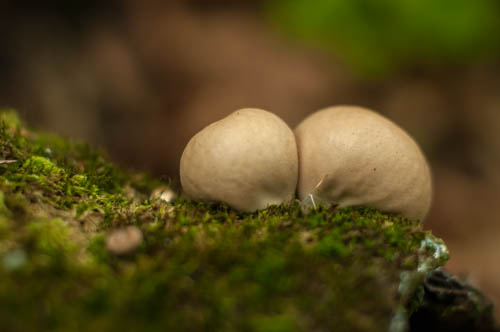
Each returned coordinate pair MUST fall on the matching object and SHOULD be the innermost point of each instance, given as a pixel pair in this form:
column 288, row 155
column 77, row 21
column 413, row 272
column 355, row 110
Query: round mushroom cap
column 352, row 156
column 247, row 160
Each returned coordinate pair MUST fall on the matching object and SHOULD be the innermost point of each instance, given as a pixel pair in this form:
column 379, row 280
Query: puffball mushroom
column 352, row 156
column 248, row 160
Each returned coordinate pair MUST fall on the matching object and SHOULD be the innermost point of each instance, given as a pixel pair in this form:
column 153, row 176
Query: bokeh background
column 139, row 78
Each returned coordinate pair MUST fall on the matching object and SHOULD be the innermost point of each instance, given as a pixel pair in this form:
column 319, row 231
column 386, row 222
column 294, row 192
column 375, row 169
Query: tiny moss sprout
column 42, row 166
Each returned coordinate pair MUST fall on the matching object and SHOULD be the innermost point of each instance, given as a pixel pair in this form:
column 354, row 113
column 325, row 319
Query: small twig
column 4, row 162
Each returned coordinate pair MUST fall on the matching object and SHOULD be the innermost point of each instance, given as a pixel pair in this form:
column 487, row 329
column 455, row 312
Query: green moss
column 4, row 210
column 49, row 237
column 276, row 323
column 4, row 226
column 332, row 245
column 200, row 267
column 41, row 166
column 10, row 118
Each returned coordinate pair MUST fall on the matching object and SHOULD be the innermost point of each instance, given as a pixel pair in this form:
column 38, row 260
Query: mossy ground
column 200, row 267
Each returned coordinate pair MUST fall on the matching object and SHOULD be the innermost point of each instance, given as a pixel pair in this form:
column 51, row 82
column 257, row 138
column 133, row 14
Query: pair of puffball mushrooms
column 343, row 155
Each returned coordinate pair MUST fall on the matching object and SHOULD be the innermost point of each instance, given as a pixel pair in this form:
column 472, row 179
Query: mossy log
column 197, row 267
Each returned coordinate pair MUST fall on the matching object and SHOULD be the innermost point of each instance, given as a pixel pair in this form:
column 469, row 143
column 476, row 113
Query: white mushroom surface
column 248, row 160
column 352, row 156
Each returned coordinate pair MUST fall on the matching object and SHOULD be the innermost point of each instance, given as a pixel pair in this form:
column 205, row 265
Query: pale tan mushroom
column 352, row 156
column 247, row 160
column 164, row 194
column 124, row 240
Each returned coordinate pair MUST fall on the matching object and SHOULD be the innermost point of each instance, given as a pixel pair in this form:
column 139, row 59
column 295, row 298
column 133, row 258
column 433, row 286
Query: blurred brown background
column 141, row 77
